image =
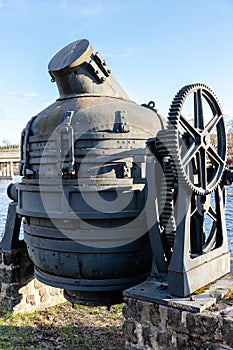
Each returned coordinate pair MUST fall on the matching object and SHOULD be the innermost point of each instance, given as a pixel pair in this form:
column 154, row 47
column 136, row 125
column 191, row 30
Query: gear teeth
column 172, row 141
column 161, row 146
column 167, row 218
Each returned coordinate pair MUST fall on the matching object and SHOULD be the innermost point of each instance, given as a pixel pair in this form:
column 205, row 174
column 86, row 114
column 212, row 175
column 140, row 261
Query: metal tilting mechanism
column 189, row 200
column 10, row 236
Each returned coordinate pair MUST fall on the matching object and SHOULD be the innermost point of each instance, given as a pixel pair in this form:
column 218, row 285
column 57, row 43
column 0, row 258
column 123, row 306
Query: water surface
column 4, row 200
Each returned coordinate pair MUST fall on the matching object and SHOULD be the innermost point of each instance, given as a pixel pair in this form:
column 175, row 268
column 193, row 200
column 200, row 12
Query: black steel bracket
column 11, row 232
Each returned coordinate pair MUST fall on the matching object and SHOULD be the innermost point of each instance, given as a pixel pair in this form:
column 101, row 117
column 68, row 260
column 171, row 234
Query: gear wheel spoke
column 198, row 110
column 213, row 122
column 188, row 127
column 203, row 170
column 214, row 155
column 190, row 154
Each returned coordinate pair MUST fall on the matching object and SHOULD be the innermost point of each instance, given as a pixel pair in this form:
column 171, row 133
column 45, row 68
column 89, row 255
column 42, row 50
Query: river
column 4, row 200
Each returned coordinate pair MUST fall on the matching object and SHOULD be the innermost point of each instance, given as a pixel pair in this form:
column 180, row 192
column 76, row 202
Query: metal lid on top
column 71, row 56
column 78, row 70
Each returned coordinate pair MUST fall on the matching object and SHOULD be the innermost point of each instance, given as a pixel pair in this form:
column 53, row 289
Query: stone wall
column 20, row 292
column 37, row 296
column 152, row 326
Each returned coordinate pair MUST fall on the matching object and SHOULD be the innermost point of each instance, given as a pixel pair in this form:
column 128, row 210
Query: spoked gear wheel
column 198, row 148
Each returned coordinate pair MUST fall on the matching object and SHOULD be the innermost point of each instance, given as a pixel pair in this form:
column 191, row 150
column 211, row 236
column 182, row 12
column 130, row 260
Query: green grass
column 64, row 327
column 229, row 294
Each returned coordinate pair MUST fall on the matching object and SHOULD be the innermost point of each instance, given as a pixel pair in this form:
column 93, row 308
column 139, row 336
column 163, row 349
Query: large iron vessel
column 83, row 191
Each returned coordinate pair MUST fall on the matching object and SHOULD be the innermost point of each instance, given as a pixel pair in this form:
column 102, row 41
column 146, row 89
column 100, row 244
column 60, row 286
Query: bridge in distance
column 9, row 161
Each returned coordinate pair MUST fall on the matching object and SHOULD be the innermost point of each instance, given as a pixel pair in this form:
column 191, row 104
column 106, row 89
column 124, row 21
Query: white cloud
column 29, row 94
column 23, row 96
column 118, row 55
column 90, row 9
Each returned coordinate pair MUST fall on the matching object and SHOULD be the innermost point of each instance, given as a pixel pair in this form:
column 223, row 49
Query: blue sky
column 153, row 48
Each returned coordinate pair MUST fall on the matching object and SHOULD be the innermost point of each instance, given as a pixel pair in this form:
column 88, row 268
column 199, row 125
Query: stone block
column 154, row 315
column 227, row 331
column 174, row 318
column 11, row 257
column 43, row 295
column 54, row 291
column 203, row 326
column 37, row 284
column 133, row 309
column 163, row 316
column 8, row 303
column 129, row 330
column 199, row 344
column 147, row 335
column 146, row 312
column 182, row 342
column 10, row 276
column 30, row 299
column 12, row 290
column 218, row 346
column 164, row 339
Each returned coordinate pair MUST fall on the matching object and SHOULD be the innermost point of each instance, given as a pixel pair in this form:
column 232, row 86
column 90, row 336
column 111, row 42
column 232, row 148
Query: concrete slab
column 157, row 292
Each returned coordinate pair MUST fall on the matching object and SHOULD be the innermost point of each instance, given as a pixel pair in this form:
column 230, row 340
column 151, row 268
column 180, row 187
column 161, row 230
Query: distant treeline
column 8, row 147
column 213, row 140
